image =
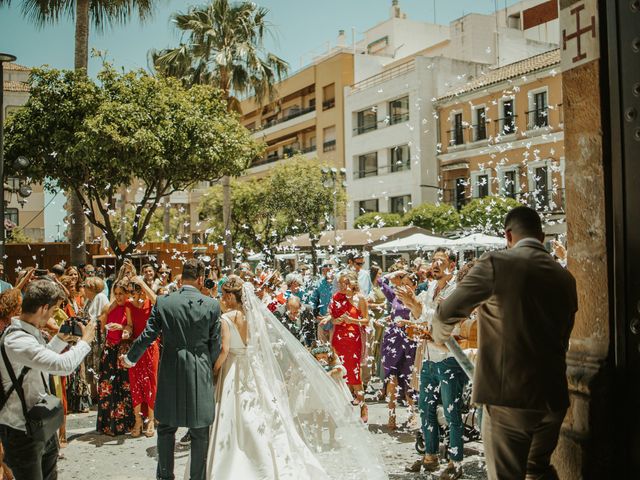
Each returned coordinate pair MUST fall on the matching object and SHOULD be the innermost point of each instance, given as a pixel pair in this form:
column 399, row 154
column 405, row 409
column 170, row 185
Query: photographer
column 31, row 361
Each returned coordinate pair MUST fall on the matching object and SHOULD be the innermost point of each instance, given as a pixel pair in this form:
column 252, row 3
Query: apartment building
column 307, row 115
column 24, row 213
column 502, row 134
column 391, row 127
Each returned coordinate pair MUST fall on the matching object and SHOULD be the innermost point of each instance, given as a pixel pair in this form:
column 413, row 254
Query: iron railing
column 551, row 201
column 290, row 116
column 538, row 118
column 327, row 104
column 329, row 146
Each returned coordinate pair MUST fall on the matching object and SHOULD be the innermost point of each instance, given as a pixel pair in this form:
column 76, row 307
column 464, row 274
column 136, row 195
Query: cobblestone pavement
column 93, row 456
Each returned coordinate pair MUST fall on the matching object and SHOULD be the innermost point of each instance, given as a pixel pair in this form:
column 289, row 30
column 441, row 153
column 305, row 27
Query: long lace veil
column 307, row 399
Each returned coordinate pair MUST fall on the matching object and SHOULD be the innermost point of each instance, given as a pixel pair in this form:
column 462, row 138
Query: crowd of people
column 371, row 330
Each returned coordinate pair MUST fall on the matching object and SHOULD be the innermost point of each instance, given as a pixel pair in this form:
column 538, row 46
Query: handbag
column 44, row 419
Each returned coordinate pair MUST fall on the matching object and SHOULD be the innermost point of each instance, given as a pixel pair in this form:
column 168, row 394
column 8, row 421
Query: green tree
column 298, row 191
column 487, row 214
column 179, row 221
column 223, row 45
column 100, row 13
column 438, row 219
column 95, row 137
column 378, row 219
column 256, row 222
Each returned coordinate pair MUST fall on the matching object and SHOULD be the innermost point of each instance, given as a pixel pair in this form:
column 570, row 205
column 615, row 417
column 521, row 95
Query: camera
column 72, row 326
column 209, row 283
column 40, row 273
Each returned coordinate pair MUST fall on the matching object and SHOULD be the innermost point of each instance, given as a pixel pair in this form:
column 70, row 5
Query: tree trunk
column 314, row 253
column 123, row 215
column 166, row 221
column 81, row 60
column 226, row 221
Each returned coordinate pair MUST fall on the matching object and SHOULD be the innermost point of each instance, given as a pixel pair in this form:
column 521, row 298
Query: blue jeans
column 442, row 380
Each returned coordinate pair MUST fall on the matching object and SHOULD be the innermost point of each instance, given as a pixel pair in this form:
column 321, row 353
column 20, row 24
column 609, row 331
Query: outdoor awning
column 478, row 240
column 412, row 243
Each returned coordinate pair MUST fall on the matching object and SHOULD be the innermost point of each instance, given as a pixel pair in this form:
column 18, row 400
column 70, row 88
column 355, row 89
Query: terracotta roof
column 354, row 238
column 15, row 66
column 501, row 74
column 12, row 86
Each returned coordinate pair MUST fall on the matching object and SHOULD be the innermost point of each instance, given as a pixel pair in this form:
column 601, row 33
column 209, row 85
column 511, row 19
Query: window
column 312, row 103
column 461, row 192
column 400, row 204
column 480, row 127
column 367, row 165
column 366, row 120
column 538, row 113
column 12, row 215
column 366, row 206
column 400, row 158
column 541, row 187
column 457, row 132
column 399, row 110
column 481, row 183
column 508, row 120
column 251, row 126
column 509, row 183
column 329, row 96
column 329, row 139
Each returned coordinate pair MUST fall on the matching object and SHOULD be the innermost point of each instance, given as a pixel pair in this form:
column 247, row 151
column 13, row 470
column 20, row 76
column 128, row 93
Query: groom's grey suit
column 188, row 324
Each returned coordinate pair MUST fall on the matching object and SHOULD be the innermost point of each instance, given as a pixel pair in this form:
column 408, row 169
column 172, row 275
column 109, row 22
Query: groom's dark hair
column 192, row 269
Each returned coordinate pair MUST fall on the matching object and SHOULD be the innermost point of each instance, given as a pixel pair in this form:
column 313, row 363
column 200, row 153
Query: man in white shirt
column 25, row 348
column 441, row 377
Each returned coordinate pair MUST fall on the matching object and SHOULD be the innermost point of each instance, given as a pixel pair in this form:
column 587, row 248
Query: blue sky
column 302, row 27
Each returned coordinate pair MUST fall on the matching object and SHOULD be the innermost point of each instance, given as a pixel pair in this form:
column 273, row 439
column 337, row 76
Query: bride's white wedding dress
column 279, row 415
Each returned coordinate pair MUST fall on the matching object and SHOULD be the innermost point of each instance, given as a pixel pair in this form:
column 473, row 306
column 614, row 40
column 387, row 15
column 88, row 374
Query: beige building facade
column 25, row 214
column 503, row 135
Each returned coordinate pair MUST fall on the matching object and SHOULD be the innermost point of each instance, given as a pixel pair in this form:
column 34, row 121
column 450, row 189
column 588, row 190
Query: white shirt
column 94, row 308
column 433, row 352
column 28, row 349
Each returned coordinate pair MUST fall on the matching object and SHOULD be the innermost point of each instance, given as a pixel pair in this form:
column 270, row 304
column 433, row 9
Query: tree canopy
column 486, row 215
column 378, row 219
column 93, row 137
column 438, row 219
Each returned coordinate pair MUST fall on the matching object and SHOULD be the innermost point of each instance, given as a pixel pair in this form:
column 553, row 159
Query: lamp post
column 335, row 179
column 4, row 58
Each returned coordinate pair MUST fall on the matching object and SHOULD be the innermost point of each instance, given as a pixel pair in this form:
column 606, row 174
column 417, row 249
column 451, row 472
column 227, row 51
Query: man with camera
column 30, row 415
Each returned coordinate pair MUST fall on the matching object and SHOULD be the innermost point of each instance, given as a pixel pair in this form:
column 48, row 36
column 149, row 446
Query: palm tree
column 223, row 45
column 100, row 13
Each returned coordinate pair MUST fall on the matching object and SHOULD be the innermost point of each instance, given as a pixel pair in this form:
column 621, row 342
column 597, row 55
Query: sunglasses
column 359, row 263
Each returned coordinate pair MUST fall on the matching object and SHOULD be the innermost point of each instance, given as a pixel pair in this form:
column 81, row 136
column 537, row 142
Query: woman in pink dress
column 143, row 377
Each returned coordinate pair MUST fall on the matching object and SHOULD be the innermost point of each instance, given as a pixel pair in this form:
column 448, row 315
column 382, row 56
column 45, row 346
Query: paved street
column 90, row 455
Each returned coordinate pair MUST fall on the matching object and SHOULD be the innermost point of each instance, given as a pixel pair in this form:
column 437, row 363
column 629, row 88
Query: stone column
column 582, row 451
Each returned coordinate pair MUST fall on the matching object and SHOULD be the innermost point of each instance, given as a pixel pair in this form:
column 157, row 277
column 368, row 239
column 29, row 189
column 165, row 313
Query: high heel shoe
column 136, row 431
column 150, row 430
column 392, row 421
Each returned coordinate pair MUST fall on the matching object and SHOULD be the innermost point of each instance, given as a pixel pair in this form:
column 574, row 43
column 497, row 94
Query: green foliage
column 94, row 137
column 291, row 201
column 17, row 235
column 224, row 47
column 178, row 224
column 378, row 219
column 438, row 219
column 487, row 214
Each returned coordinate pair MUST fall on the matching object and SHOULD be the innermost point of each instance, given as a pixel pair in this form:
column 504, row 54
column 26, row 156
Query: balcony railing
column 290, row 116
column 327, row 104
column 538, row 118
column 329, row 146
column 371, row 172
column 398, row 118
column 360, row 129
column 477, row 133
column 286, row 153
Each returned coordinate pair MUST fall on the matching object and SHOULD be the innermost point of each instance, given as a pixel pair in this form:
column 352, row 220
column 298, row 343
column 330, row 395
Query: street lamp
column 4, row 58
column 335, row 179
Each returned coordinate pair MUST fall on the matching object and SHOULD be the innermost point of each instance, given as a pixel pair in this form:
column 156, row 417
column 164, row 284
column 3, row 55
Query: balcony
column 327, row 104
column 491, row 130
column 360, row 129
column 329, row 146
column 538, row 118
column 274, row 124
column 286, row 153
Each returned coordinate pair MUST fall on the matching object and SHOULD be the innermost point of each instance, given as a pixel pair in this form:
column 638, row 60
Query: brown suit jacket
column 526, row 306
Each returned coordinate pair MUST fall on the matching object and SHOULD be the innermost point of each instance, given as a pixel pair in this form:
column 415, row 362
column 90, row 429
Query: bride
column 278, row 414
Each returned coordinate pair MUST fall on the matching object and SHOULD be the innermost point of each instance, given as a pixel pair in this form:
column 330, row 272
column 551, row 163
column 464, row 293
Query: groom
column 189, row 325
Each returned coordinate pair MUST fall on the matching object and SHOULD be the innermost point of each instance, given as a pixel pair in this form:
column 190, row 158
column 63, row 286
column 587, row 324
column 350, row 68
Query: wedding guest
column 320, row 299
column 294, row 283
column 10, row 305
column 398, row 349
column 377, row 311
column 349, row 313
column 149, row 275
column 115, row 411
column 355, row 263
column 4, row 285
column 143, row 377
column 163, row 278
column 298, row 319
column 96, row 301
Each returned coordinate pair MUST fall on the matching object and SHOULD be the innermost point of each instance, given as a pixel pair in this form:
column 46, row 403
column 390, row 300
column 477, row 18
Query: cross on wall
column 578, row 33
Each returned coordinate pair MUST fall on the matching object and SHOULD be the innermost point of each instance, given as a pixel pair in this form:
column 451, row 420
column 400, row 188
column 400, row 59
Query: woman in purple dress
column 398, row 350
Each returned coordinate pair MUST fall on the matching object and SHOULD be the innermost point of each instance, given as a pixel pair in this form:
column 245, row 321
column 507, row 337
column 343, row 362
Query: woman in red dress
column 143, row 377
column 350, row 314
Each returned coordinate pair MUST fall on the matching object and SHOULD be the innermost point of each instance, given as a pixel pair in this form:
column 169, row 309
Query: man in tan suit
column 526, row 306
